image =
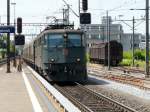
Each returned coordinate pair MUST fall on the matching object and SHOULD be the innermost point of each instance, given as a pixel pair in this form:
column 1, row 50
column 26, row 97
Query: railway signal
column 85, row 5
column 85, row 18
column 19, row 25
column 19, row 40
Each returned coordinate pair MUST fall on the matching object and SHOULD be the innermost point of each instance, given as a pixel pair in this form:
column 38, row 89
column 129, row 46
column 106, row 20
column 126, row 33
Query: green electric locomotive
column 60, row 53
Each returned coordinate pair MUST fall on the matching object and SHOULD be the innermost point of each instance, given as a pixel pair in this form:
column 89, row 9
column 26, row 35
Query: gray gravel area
column 100, row 86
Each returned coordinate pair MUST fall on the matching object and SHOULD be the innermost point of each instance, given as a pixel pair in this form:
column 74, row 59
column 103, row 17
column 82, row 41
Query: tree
column 3, row 45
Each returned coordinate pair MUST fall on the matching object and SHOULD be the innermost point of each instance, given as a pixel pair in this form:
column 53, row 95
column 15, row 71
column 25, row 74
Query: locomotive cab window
column 43, row 40
column 74, row 40
column 55, row 40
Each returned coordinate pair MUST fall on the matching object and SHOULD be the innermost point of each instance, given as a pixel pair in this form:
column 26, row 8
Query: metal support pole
column 108, row 37
column 68, row 13
column 14, row 49
column 34, row 55
column 8, row 37
column 79, row 11
column 147, row 39
column 0, row 20
column 64, row 16
column 103, row 35
column 133, row 42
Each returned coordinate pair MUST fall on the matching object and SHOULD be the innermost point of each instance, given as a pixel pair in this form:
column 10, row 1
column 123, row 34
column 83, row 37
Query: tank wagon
column 99, row 53
column 59, row 53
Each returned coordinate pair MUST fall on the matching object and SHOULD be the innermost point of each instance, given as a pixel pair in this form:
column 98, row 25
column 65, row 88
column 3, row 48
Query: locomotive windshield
column 55, row 40
column 74, row 40
column 58, row 40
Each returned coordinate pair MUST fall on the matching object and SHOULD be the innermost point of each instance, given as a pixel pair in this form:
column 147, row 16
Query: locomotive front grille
column 69, row 72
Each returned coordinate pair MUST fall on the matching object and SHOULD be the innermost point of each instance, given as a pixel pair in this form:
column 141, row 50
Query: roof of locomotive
column 62, row 31
column 55, row 31
column 59, row 31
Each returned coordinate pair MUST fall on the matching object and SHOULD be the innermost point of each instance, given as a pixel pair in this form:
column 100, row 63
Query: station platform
column 19, row 93
column 13, row 93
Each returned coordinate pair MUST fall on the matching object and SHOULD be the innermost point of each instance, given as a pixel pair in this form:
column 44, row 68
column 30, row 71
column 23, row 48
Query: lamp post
column 147, row 37
column 8, row 37
column 133, row 36
column 14, row 48
column 108, row 38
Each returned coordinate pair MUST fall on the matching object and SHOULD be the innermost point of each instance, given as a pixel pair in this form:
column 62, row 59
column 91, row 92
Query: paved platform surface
column 13, row 93
column 20, row 93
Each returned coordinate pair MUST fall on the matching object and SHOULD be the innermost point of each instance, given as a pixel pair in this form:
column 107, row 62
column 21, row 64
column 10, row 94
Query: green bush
column 127, row 55
column 140, row 63
column 139, row 55
column 88, row 57
column 126, row 62
column 139, row 58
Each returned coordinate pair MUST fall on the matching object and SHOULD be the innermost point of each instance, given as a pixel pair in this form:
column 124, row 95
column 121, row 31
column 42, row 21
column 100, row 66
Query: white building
column 142, row 44
column 99, row 32
column 126, row 41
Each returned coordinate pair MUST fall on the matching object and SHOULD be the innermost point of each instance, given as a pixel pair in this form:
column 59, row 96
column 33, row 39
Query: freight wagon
column 99, row 53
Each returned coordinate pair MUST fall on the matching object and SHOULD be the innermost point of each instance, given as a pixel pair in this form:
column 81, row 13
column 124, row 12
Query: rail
column 129, row 70
column 81, row 106
column 90, row 101
column 118, row 105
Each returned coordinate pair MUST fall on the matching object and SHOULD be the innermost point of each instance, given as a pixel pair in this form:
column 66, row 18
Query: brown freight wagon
column 99, row 53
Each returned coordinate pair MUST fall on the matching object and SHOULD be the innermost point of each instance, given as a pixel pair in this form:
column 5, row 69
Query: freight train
column 99, row 53
column 59, row 52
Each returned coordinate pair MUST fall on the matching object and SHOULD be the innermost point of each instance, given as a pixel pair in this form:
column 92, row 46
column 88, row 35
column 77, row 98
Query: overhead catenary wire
column 120, row 7
column 71, row 9
column 139, row 23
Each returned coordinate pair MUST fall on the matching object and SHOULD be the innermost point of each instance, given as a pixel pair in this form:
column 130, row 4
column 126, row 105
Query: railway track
column 89, row 101
column 129, row 70
column 123, row 77
column 123, row 69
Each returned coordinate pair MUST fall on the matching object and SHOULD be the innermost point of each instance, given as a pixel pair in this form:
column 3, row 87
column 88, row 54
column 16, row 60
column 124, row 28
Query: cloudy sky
column 37, row 10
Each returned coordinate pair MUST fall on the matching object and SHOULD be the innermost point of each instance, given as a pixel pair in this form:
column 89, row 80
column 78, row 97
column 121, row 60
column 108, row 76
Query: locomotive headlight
column 78, row 60
column 52, row 60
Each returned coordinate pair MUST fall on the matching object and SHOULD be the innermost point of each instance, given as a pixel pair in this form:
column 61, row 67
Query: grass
column 128, row 62
column 139, row 58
